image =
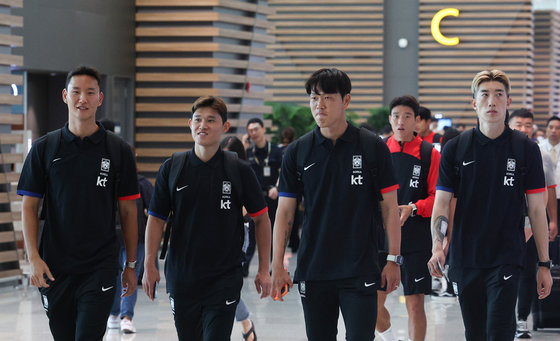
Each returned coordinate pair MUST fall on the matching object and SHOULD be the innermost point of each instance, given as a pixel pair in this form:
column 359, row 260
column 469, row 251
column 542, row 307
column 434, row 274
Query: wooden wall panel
column 186, row 49
column 547, row 66
column 9, row 208
column 312, row 34
column 492, row 35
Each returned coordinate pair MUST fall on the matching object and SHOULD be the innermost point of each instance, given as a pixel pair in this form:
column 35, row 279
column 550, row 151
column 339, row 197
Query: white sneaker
column 127, row 326
column 113, row 322
column 522, row 331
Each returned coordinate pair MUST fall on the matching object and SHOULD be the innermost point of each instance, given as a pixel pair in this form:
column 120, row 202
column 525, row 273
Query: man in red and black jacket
column 416, row 165
column 423, row 127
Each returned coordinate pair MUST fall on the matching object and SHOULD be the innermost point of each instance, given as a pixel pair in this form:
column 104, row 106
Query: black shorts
column 415, row 276
column 207, row 313
column 78, row 306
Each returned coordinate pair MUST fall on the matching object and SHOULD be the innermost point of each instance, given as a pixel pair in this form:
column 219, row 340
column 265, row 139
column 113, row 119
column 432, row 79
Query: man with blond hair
column 490, row 169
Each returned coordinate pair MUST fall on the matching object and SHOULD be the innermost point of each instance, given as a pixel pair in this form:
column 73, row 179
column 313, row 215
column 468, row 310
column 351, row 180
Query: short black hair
column 448, row 135
column 84, row 70
column 553, row 118
column 521, row 113
column 406, row 100
column 329, row 81
column 234, row 144
column 107, row 124
column 255, row 120
column 215, row 103
column 424, row 113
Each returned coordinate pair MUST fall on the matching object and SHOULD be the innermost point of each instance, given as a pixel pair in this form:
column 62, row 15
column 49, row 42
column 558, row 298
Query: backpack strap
column 113, row 145
column 303, row 149
column 518, row 143
column 463, row 144
column 178, row 162
column 437, row 138
column 426, row 158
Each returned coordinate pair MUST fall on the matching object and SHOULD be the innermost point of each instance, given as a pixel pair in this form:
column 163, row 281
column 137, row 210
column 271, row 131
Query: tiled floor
column 22, row 318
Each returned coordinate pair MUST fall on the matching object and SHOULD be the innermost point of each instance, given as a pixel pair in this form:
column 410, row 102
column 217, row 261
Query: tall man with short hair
column 416, row 165
column 551, row 145
column 81, row 171
column 203, row 266
column 337, row 260
column 491, row 170
column 522, row 120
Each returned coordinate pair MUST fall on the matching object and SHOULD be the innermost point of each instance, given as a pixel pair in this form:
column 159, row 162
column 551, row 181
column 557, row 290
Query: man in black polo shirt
column 75, row 266
column 491, row 180
column 203, row 267
column 416, row 165
column 337, row 259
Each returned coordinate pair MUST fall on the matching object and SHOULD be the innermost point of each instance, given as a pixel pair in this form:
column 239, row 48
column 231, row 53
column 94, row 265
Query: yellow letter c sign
column 436, row 33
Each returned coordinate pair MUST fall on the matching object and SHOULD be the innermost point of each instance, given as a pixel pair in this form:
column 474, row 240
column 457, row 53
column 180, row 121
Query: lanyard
column 267, row 155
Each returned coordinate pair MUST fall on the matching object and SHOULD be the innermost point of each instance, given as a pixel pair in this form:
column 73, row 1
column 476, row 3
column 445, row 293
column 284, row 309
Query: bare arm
column 154, row 230
column 440, row 224
column 129, row 223
column 391, row 275
column 551, row 208
column 537, row 216
column 263, row 236
column 282, row 228
column 30, row 222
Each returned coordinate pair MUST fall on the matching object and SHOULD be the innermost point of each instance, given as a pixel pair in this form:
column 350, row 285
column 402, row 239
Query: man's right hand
column 280, row 277
column 151, row 276
column 38, row 271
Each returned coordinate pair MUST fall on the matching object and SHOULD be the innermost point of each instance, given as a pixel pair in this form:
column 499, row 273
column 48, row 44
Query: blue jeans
column 125, row 305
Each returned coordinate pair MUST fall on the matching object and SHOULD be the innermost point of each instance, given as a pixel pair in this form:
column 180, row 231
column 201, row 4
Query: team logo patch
column 511, row 165
column 226, row 187
column 105, row 165
column 357, row 161
column 416, row 170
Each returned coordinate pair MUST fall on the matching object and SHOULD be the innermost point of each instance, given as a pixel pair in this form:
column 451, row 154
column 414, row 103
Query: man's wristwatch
column 397, row 259
column 546, row 264
column 414, row 208
column 131, row 265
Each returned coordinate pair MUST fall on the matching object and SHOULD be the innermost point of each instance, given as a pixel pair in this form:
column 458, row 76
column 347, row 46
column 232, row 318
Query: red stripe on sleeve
column 389, row 189
column 553, row 186
column 537, row 190
column 131, row 197
column 256, row 214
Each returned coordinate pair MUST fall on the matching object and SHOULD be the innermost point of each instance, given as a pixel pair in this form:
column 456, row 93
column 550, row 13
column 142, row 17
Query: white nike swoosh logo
column 507, row 277
column 105, row 289
column 367, row 285
column 230, row 302
column 467, row 163
column 58, row 158
column 307, row 167
column 182, row 188
column 416, row 280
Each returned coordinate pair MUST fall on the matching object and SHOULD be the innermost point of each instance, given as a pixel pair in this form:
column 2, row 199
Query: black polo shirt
column 79, row 232
column 416, row 185
column 489, row 217
column 259, row 158
column 339, row 235
column 207, row 234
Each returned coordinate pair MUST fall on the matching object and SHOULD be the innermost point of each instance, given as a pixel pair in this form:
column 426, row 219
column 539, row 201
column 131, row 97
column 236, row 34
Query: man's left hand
column 128, row 280
column 263, row 283
column 552, row 230
column 273, row 193
column 404, row 213
column 544, row 282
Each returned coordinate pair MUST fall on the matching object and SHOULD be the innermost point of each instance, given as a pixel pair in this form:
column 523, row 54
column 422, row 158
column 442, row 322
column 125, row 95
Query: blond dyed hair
column 490, row 75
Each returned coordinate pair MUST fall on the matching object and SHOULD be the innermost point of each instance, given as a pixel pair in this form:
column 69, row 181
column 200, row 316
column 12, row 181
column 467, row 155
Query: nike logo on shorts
column 182, row 188
column 416, row 280
column 230, row 302
column 367, row 285
column 309, row 166
column 467, row 163
column 105, row 289
column 507, row 277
